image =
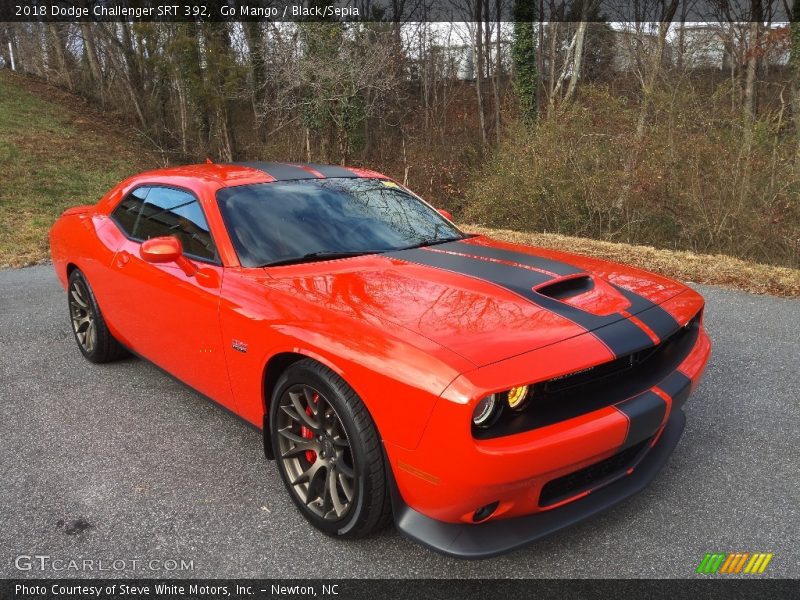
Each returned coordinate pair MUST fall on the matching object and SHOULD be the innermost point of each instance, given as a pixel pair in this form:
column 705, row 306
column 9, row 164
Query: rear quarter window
column 128, row 210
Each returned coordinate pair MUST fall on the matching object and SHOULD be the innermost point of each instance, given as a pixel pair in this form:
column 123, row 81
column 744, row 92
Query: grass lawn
column 53, row 154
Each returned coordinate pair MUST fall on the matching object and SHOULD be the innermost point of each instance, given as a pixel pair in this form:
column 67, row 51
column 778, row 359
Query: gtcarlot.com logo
column 731, row 563
column 45, row 562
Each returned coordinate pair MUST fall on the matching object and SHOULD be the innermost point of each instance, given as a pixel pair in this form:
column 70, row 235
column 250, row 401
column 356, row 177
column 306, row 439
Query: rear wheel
column 94, row 340
column 328, row 451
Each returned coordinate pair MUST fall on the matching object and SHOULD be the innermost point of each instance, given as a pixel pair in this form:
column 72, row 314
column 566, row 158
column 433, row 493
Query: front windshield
column 292, row 221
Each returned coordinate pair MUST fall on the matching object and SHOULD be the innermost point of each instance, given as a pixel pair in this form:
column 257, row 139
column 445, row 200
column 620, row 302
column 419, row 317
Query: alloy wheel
column 83, row 322
column 315, row 452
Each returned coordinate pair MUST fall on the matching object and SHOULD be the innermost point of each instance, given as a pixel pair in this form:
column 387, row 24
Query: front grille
column 598, row 374
column 575, row 394
column 592, row 476
column 601, row 375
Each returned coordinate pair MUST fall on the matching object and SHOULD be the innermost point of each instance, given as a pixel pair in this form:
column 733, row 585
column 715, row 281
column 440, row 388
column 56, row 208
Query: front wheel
column 328, row 452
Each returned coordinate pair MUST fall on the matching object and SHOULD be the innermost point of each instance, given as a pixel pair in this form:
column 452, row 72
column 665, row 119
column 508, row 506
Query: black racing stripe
column 622, row 337
column 279, row 171
column 645, row 413
column 651, row 314
column 519, row 280
column 618, row 333
column 529, row 260
column 678, row 386
column 332, row 170
column 656, row 318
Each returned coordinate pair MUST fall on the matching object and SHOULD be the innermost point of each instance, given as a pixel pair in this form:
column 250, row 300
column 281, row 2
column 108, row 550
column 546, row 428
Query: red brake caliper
column 311, row 456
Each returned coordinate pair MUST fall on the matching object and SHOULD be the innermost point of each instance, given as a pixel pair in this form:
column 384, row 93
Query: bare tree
column 648, row 87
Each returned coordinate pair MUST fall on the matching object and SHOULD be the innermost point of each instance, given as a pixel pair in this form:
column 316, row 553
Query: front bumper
column 495, row 537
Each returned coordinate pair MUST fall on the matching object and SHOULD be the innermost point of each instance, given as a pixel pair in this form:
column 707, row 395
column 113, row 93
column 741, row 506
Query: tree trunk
column 682, row 34
column 257, row 46
column 577, row 61
column 135, row 99
column 539, row 55
column 17, row 61
column 60, row 53
column 91, row 55
column 750, row 96
column 551, row 100
column 38, row 61
column 578, row 58
column 565, row 67
column 183, row 105
column 498, row 64
column 129, row 53
column 750, row 91
column 217, row 48
column 479, row 66
column 5, row 45
column 487, row 39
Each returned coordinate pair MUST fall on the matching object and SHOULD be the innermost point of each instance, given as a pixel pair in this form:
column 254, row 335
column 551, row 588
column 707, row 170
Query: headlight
column 517, row 397
column 485, row 410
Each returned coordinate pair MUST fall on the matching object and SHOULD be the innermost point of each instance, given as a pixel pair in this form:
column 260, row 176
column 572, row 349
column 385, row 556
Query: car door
column 165, row 315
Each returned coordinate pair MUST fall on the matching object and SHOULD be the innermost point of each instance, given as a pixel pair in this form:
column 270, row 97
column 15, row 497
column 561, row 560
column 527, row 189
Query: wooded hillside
column 675, row 134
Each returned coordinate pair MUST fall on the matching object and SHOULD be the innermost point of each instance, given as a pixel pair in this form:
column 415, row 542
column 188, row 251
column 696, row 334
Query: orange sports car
column 481, row 393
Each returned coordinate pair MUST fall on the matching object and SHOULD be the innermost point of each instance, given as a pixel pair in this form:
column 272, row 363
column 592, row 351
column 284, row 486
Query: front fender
column 398, row 374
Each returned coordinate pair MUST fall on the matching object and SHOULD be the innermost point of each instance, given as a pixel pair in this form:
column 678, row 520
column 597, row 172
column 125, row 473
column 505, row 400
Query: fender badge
column 239, row 345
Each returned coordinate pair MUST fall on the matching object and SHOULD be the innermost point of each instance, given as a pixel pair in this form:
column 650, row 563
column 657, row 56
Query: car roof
column 238, row 173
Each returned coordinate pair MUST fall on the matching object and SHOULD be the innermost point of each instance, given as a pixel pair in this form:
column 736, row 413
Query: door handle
column 123, row 258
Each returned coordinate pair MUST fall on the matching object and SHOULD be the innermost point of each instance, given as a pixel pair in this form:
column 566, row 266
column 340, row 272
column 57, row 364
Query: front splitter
column 491, row 538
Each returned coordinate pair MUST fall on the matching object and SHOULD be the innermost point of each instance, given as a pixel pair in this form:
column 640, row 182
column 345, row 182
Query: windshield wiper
column 314, row 256
column 430, row 242
column 332, row 254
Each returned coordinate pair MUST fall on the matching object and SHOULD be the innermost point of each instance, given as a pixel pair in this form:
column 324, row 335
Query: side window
column 167, row 211
column 127, row 211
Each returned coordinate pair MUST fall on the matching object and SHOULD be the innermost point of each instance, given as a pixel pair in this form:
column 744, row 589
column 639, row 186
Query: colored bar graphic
column 703, row 563
column 727, row 566
column 734, row 562
column 764, row 564
column 740, row 564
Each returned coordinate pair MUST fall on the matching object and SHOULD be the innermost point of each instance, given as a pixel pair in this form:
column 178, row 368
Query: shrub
column 694, row 185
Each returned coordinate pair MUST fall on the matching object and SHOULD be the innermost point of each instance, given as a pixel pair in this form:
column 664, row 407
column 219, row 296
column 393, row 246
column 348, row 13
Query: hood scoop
column 566, row 287
column 589, row 293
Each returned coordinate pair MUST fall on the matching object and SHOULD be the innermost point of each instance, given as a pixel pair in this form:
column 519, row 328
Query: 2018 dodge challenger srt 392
column 484, row 394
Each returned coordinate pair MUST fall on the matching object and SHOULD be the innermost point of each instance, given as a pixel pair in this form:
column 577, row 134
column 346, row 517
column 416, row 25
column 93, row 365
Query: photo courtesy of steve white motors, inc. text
column 194, row 590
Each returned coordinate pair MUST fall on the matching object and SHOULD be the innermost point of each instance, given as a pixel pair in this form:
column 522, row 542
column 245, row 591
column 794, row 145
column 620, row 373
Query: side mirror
column 167, row 249
column 161, row 250
column 446, row 214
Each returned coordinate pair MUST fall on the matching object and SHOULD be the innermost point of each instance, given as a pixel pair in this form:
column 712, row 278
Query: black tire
column 348, row 435
column 88, row 326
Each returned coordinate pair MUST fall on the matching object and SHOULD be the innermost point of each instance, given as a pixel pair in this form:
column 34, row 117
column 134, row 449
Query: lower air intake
column 592, row 476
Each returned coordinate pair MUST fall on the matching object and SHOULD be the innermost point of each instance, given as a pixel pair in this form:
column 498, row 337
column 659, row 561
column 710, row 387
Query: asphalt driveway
column 121, row 462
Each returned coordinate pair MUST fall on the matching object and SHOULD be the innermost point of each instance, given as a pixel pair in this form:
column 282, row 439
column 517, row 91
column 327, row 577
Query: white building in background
column 696, row 46
column 704, row 47
column 630, row 47
column 458, row 61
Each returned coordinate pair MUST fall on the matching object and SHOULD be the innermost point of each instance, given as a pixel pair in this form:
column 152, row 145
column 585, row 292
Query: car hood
column 488, row 300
